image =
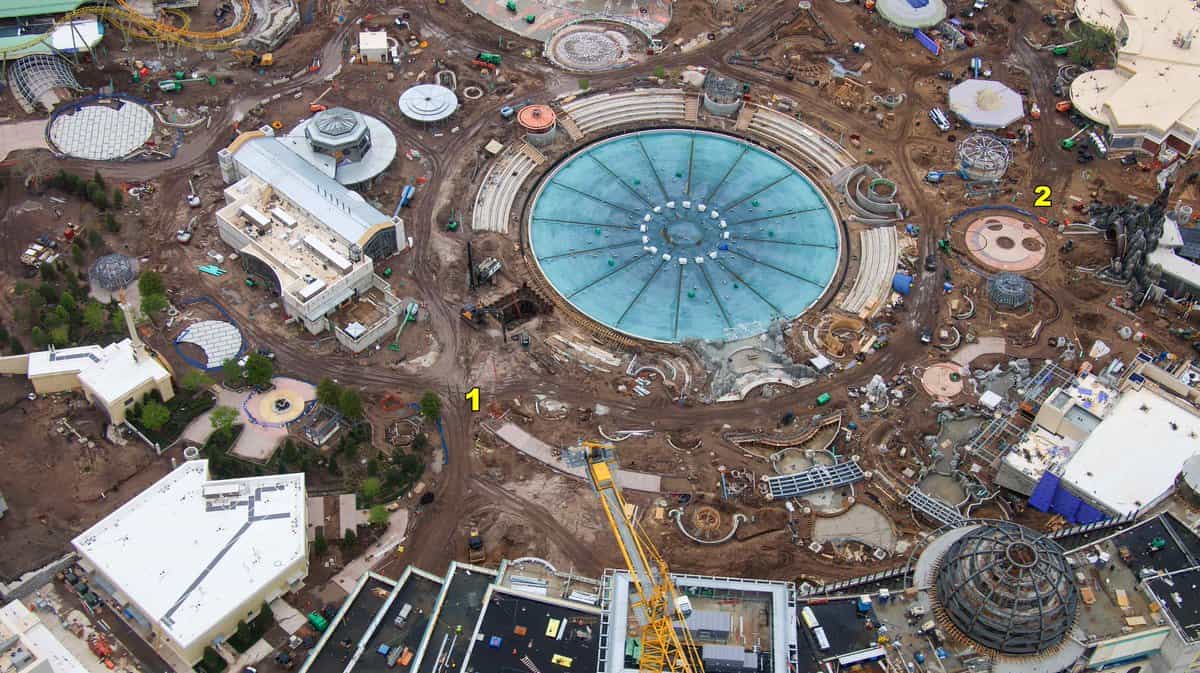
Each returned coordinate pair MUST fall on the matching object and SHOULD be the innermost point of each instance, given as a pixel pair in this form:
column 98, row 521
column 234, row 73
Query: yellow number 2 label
column 472, row 396
column 1043, row 196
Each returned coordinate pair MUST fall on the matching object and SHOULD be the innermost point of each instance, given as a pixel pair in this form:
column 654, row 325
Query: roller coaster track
column 140, row 27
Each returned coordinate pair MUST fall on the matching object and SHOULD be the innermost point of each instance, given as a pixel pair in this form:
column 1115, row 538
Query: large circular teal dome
column 671, row 235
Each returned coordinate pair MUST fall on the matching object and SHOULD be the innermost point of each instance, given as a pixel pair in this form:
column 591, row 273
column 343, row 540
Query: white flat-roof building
column 112, row 377
column 1150, row 99
column 373, row 46
column 1180, row 275
column 28, row 646
column 311, row 240
column 191, row 556
column 1131, row 460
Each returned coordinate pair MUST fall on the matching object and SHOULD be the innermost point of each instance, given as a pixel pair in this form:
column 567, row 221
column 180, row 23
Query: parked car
column 926, row 336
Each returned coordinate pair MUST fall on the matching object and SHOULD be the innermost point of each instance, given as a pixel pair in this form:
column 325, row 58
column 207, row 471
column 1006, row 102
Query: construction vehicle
column 38, row 254
column 184, row 235
column 176, row 83
column 485, row 60
column 99, row 646
column 1068, row 143
column 657, row 604
column 475, row 552
column 486, row 270
column 318, row 621
column 252, row 58
column 410, row 315
column 474, row 315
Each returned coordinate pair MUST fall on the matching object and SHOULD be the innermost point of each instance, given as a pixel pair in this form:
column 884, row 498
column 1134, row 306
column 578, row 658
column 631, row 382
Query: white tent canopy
column 986, row 104
column 428, row 103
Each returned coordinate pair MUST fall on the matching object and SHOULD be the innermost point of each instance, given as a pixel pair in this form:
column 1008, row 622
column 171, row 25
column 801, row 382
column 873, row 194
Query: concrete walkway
column 289, row 618
column 395, row 535
column 27, row 135
column 985, row 346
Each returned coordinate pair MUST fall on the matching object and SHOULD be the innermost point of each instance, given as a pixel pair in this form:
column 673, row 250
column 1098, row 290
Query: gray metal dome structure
column 338, row 131
column 113, row 272
column 1007, row 589
column 1009, row 290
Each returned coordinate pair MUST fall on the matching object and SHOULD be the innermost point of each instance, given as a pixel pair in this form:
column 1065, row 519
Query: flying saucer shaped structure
column 673, row 235
column 986, row 104
column 428, row 103
column 908, row 15
column 1007, row 589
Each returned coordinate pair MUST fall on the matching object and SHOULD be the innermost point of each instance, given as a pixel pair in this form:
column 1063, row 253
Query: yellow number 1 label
column 1043, row 196
column 472, row 396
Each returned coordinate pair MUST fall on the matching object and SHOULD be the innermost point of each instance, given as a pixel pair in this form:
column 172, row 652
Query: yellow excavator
column 657, row 604
column 251, row 58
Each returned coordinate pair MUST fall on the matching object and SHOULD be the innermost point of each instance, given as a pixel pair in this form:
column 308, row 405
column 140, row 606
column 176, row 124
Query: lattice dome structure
column 1010, row 290
column 41, row 80
column 1007, row 589
column 113, row 272
column 983, row 156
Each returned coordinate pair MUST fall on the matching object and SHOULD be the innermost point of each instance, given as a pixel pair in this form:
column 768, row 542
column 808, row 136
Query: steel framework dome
column 1010, row 290
column 1008, row 589
column 113, row 272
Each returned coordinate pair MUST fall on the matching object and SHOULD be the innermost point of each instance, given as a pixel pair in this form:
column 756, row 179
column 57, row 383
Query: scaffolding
column 813, row 479
column 1000, row 435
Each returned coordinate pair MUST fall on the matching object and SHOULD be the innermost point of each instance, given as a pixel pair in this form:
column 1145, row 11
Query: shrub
column 118, row 198
column 222, row 419
column 259, row 370
column 431, row 406
column 111, row 223
column 153, row 303
column 350, row 404
column 150, row 282
column 195, row 380
column 329, row 393
column 231, row 371
column 154, row 415
column 369, row 489
column 378, row 515
column 320, row 545
column 211, row 662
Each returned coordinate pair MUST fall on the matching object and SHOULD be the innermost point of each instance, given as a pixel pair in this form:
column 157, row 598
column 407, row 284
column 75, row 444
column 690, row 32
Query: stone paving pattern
column 100, row 132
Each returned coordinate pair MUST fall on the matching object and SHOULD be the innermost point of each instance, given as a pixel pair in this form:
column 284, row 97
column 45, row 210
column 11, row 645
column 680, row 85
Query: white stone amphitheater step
column 532, row 152
column 568, row 124
column 744, row 116
column 691, row 108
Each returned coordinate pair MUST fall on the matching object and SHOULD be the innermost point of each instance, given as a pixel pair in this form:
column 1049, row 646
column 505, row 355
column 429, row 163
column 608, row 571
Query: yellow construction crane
column 657, row 604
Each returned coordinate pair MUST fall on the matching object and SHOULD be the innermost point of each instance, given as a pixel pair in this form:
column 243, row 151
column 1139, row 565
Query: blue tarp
column 902, row 283
column 1050, row 496
column 927, row 42
column 917, row 4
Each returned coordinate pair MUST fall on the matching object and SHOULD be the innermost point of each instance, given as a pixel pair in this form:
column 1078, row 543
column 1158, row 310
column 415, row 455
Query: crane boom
column 657, row 606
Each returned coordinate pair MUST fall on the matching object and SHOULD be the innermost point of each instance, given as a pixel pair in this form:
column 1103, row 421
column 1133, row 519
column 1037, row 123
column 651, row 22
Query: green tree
column 420, row 442
column 98, row 179
column 49, row 293
column 378, row 515
column 17, row 347
column 350, row 404
column 222, row 419
column 118, row 198
column 259, row 370
column 195, row 380
column 231, row 371
column 118, row 320
column 111, row 223
column 48, row 272
column 154, row 415
column 93, row 317
column 431, row 406
column 349, row 538
column 584, row 84
column 153, row 303
column 328, row 392
column 369, row 488
column 94, row 238
column 151, row 282
column 60, row 336
column 67, row 302
column 289, row 454
column 244, row 634
column 320, row 545
column 77, row 255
